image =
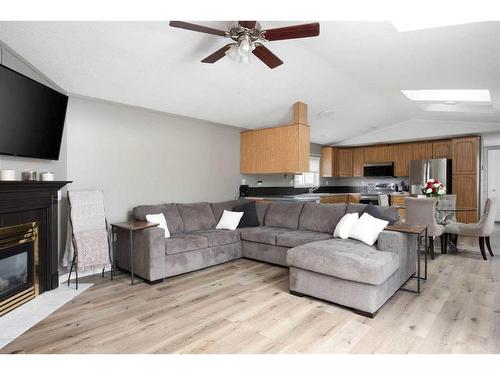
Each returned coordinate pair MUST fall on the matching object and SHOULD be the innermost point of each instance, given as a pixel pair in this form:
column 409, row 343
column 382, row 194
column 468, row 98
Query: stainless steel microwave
column 378, row 170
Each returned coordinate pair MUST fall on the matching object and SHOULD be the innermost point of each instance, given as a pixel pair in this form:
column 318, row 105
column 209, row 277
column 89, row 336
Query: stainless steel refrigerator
column 423, row 170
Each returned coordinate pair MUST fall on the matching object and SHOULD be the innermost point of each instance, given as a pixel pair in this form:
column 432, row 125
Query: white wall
column 144, row 157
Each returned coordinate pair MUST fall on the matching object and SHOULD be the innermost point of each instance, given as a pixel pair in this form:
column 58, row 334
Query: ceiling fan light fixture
column 232, row 52
column 245, row 45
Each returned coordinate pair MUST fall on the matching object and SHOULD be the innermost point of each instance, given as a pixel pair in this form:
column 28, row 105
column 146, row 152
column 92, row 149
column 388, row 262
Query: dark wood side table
column 131, row 227
column 417, row 230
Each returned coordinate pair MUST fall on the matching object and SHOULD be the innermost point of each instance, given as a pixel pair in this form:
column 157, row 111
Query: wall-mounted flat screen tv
column 31, row 117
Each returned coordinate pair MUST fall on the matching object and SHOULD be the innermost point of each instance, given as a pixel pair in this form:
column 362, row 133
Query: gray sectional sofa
column 297, row 235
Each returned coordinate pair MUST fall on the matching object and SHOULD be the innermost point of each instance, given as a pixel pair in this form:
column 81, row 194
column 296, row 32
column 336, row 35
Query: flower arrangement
column 433, row 188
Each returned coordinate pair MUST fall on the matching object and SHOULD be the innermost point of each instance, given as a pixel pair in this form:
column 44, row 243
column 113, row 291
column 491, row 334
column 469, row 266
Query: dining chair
column 422, row 211
column 482, row 229
column 89, row 231
column 383, row 200
column 446, row 209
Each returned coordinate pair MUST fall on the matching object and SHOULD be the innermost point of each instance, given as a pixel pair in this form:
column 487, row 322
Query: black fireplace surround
column 35, row 201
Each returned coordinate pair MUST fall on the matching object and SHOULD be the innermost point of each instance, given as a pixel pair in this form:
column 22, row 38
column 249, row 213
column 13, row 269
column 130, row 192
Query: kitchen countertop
column 306, row 196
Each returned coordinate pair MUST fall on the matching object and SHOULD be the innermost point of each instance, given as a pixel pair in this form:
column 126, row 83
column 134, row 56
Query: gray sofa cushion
column 262, row 234
column 218, row 208
column 389, row 211
column 196, row 216
column 283, row 215
column 174, row 221
column 345, row 259
column 219, row 237
column 321, row 217
column 184, row 242
column 300, row 237
column 261, row 208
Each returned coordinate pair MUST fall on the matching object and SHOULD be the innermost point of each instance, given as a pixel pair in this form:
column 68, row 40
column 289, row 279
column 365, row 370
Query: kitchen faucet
column 313, row 189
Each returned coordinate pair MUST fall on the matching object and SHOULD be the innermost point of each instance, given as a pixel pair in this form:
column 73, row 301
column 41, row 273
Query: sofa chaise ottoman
column 351, row 273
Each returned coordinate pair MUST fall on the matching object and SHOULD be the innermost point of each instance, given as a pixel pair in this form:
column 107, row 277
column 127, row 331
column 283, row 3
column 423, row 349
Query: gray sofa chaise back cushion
column 389, row 211
column 174, row 220
column 196, row 216
column 261, row 208
column 321, row 217
column 219, row 207
column 283, row 215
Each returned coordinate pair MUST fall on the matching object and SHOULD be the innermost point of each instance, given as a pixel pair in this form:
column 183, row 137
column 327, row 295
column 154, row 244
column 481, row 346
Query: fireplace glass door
column 16, row 269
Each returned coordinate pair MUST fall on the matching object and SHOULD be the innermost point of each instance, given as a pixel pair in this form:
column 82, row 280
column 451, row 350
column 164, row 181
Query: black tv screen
column 31, row 117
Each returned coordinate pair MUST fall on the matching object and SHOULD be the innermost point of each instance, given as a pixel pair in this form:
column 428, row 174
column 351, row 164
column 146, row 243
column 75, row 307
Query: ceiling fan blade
column 267, row 57
column 217, row 55
column 247, row 24
column 293, row 32
column 198, row 28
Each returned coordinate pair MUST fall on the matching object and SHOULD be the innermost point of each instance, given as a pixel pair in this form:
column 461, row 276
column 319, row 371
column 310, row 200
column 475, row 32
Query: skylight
column 448, row 95
column 417, row 23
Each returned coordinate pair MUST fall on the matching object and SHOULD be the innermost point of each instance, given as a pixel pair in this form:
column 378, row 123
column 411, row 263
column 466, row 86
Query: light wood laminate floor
column 244, row 307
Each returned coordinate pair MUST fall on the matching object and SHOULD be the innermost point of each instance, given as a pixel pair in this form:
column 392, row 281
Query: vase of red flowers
column 433, row 188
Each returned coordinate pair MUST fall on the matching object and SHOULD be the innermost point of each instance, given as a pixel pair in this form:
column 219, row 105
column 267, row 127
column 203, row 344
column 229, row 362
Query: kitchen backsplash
column 358, row 181
column 286, row 180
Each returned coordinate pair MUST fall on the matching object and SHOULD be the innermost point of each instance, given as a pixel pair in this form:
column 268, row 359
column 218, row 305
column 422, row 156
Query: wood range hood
column 280, row 149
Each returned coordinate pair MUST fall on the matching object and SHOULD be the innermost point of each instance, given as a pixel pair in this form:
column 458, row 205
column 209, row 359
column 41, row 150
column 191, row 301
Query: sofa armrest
column 404, row 245
column 149, row 252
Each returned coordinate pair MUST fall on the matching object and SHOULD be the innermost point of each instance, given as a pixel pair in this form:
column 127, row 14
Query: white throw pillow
column 229, row 220
column 345, row 224
column 367, row 229
column 159, row 219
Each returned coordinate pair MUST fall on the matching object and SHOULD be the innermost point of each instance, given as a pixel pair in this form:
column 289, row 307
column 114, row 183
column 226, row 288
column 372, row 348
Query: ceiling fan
column 248, row 37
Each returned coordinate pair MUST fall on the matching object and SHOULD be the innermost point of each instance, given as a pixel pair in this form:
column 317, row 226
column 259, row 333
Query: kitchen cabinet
column 344, row 162
column 441, row 149
column 465, row 187
column 326, row 162
column 379, row 154
column 465, row 153
column 402, row 156
column 344, row 198
column 399, row 201
column 283, row 149
column 358, row 161
column 422, row 150
column 353, row 198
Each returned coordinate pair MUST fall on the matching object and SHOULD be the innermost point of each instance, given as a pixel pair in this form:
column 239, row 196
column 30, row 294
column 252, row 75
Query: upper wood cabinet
column 344, row 162
column 358, row 162
column 465, row 153
column 441, row 149
column 283, row 149
column 379, row 154
column 465, row 187
column 403, row 154
column 422, row 150
column 326, row 162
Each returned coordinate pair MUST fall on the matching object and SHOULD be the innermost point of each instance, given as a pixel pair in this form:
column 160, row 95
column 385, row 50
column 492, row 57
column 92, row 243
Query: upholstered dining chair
column 446, row 209
column 383, row 200
column 89, row 236
column 482, row 229
column 422, row 211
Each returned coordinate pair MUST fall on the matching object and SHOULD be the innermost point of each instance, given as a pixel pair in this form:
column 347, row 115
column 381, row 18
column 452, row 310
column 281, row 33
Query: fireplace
column 28, row 240
column 19, row 268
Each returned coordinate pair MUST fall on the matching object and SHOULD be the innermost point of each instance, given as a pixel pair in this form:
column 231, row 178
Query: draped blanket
column 88, row 225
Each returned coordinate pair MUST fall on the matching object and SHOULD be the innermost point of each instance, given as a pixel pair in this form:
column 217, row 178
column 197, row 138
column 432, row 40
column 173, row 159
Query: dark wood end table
column 131, row 227
column 417, row 230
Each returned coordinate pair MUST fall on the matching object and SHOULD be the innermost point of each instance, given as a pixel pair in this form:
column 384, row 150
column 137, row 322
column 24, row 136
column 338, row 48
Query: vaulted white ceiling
column 350, row 76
